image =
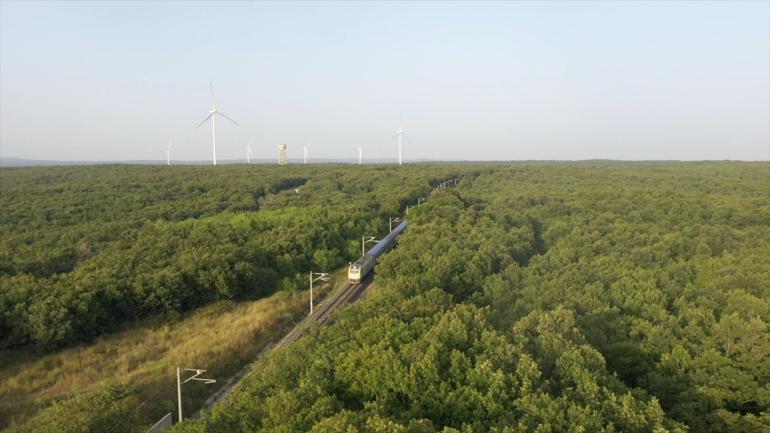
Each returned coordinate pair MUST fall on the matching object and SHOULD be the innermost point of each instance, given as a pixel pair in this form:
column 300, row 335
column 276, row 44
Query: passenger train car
column 361, row 267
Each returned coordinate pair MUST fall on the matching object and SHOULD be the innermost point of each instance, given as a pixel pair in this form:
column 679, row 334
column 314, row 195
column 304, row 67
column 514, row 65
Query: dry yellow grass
column 220, row 338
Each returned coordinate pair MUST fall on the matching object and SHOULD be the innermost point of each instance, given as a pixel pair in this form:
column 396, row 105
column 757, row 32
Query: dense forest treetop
column 547, row 298
column 533, row 297
column 55, row 216
column 85, row 248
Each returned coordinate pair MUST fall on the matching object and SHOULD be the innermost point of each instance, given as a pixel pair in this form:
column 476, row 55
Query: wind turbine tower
column 248, row 152
column 212, row 111
column 282, row 160
column 306, row 154
column 400, row 136
column 168, row 152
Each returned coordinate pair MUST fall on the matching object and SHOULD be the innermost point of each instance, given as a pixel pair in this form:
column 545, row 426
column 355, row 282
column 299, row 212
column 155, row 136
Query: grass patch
column 221, row 338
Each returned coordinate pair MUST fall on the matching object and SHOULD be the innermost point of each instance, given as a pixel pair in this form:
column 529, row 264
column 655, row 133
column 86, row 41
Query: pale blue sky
column 516, row 80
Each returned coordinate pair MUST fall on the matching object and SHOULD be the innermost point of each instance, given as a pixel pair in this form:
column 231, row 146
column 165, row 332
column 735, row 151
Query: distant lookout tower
column 282, row 155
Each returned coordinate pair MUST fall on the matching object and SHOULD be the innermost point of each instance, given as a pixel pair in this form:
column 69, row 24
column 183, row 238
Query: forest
column 547, row 298
column 532, row 297
column 84, row 250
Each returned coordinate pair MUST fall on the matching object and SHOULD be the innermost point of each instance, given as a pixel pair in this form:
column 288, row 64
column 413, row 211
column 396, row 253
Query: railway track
column 321, row 314
column 347, row 292
column 342, row 295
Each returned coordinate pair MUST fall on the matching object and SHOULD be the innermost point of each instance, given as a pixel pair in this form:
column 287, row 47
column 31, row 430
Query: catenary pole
column 179, row 393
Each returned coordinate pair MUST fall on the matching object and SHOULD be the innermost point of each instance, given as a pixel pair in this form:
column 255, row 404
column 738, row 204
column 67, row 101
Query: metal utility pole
column 364, row 241
column 179, row 383
column 322, row 276
column 390, row 223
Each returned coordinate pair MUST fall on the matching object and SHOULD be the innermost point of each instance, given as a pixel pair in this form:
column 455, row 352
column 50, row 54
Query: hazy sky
column 515, row 80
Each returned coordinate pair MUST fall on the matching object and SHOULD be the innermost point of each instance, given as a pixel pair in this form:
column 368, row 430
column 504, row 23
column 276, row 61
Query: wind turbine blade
column 204, row 120
column 211, row 85
column 226, row 117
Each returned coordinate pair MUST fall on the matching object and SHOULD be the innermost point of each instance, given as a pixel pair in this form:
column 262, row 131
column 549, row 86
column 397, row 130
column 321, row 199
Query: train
column 359, row 269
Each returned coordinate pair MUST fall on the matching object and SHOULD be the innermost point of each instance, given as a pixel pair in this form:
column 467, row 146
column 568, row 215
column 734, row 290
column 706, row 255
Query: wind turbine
column 306, row 154
column 211, row 116
column 360, row 153
column 400, row 135
column 168, row 152
column 248, row 152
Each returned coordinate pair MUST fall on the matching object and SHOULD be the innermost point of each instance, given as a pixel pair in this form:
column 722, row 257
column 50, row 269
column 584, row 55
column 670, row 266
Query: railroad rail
column 339, row 297
column 348, row 291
